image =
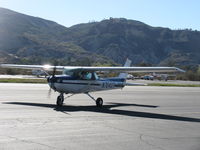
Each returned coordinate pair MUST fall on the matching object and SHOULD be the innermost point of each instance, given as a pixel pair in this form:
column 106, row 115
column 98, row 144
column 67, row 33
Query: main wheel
column 59, row 101
column 99, row 102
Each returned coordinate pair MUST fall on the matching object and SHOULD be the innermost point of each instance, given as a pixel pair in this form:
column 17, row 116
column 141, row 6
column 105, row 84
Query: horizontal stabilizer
column 135, row 84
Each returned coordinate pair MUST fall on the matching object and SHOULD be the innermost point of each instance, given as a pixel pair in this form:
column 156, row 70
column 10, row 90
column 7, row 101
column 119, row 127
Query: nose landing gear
column 60, row 100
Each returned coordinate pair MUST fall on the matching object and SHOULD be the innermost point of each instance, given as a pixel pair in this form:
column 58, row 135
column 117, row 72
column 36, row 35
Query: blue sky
column 175, row 14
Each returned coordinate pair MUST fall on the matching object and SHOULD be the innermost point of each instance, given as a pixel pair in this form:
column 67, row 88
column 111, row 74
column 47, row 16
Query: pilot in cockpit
column 86, row 75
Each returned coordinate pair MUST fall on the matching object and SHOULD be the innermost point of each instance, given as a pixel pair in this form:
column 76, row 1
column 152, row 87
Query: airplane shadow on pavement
column 107, row 109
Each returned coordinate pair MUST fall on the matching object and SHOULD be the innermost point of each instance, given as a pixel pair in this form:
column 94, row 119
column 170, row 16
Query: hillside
column 121, row 38
column 31, row 40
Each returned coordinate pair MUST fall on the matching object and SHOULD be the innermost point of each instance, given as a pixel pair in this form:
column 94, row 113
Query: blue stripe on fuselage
column 114, row 79
column 65, row 77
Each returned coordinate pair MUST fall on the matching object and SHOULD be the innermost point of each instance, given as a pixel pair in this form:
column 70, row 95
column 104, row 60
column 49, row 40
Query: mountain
column 119, row 38
column 31, row 40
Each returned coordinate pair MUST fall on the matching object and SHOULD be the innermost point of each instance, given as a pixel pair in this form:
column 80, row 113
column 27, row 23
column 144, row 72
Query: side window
column 86, row 75
column 95, row 76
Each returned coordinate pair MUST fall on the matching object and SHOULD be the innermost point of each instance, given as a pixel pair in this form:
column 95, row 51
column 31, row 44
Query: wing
column 109, row 69
column 33, row 67
column 128, row 69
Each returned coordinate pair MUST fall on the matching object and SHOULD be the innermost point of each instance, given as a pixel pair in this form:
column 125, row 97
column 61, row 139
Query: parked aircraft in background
column 130, row 77
column 39, row 73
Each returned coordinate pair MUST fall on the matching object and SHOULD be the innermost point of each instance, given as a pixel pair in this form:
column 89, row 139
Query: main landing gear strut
column 99, row 100
column 60, row 100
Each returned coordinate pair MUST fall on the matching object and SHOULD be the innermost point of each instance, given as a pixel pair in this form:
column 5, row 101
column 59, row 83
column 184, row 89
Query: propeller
column 54, row 71
column 51, row 80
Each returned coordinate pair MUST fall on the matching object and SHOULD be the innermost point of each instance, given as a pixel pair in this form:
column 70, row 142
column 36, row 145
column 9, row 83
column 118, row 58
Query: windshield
column 68, row 72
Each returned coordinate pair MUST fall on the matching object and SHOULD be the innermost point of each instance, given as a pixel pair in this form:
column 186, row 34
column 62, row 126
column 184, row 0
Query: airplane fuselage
column 66, row 84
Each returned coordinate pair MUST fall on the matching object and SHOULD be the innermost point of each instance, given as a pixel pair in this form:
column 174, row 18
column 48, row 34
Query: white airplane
column 79, row 79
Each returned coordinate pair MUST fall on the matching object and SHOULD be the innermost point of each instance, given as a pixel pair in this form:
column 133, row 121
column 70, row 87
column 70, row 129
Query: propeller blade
column 51, row 79
column 54, row 71
column 49, row 93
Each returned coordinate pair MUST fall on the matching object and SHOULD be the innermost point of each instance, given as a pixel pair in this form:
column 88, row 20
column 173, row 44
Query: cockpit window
column 86, row 75
column 96, row 76
column 81, row 75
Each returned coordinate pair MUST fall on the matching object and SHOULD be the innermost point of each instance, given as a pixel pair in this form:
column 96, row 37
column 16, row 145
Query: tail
column 127, row 64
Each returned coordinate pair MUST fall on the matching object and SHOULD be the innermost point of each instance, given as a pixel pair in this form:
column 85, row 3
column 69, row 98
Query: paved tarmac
column 140, row 118
column 19, row 76
column 165, row 82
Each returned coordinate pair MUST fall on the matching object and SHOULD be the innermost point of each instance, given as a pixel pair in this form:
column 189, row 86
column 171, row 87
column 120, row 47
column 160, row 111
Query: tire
column 99, row 102
column 59, row 101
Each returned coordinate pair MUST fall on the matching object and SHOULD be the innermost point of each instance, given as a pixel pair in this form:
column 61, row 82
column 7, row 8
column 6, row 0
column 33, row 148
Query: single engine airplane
column 79, row 79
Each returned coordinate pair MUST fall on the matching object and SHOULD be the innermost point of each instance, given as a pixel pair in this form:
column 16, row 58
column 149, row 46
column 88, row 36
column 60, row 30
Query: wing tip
column 180, row 70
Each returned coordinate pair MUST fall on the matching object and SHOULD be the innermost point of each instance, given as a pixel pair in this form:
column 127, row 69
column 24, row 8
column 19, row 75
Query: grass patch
column 171, row 84
column 19, row 80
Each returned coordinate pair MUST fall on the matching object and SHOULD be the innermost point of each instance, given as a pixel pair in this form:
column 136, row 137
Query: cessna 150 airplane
column 75, row 79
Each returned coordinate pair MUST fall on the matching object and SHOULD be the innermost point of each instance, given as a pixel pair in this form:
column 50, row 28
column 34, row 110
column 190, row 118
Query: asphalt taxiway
column 142, row 118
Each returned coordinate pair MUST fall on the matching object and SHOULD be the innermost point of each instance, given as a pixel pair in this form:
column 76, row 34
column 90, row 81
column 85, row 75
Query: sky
column 174, row 14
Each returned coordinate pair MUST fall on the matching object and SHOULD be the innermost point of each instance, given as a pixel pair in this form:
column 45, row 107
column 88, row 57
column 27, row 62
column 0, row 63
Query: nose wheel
column 60, row 100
